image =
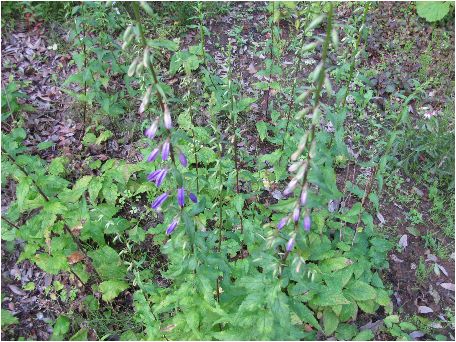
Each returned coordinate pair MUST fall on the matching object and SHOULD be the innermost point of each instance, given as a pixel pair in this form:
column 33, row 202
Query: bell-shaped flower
column 159, row 201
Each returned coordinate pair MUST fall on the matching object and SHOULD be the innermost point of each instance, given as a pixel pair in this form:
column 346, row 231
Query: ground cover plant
column 227, row 171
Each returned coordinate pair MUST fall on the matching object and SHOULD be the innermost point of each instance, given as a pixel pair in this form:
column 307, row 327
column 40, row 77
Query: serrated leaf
column 60, row 328
column 365, row 335
column 262, row 128
column 305, row 314
column 8, row 318
column 360, row 290
column 112, row 288
column 329, row 297
column 330, row 322
column 432, row 10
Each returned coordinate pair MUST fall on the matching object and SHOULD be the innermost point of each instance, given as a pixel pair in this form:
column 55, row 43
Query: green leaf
column 108, row 263
column 351, row 216
column 94, row 189
column 60, row 328
column 163, row 43
column 105, row 135
column 390, row 320
column 110, row 192
column 8, row 318
column 81, row 335
column 51, row 264
column 44, row 145
column 365, row 335
column 359, row 290
column 238, row 202
column 112, row 288
column 329, row 296
column 22, row 191
column 330, row 322
column 432, row 10
column 262, row 128
column 345, row 332
column 305, row 314
column 334, row 264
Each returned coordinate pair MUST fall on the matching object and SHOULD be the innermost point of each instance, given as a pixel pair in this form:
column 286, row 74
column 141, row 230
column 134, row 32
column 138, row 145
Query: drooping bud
column 145, row 101
column 165, row 150
column 304, row 195
column 151, row 177
column 167, row 117
column 296, row 213
column 161, row 177
column 159, row 201
column 132, row 68
column 183, row 159
column 307, row 223
column 150, row 132
column 146, row 57
column 127, row 32
column 172, row 226
column 290, row 244
column 291, row 186
column 153, row 155
column 293, row 167
column 193, row 197
column 181, row 197
column 282, row 223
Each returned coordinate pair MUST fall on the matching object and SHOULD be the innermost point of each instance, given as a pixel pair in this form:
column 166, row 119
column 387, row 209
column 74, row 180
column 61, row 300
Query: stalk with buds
column 300, row 168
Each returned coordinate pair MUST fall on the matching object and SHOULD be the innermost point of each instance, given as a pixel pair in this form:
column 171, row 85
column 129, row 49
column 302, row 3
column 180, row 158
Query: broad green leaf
column 60, row 328
column 365, row 335
column 334, row 264
column 238, row 203
column 359, row 290
column 305, row 314
column 330, row 322
column 8, row 318
column 432, row 10
column 51, row 264
column 108, row 263
column 345, row 332
column 351, row 216
column 112, row 288
column 262, row 128
column 329, row 297
column 94, row 189
column 81, row 335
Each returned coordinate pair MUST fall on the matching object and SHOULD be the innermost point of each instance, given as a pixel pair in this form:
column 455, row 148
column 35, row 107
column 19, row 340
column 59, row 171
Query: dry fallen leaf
column 424, row 309
column 75, row 257
column 448, row 286
column 403, row 241
column 251, row 69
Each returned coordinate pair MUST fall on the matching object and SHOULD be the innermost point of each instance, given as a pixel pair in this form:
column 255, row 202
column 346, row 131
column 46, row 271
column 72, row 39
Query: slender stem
column 85, row 65
column 354, row 54
column 27, row 174
column 271, row 58
column 9, row 222
column 293, row 89
column 320, row 81
column 144, row 44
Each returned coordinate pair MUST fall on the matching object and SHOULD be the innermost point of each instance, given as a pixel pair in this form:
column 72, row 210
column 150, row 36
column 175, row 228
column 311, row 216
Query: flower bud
column 181, row 197
column 159, row 201
column 161, row 177
column 291, row 186
column 132, row 68
column 150, row 132
column 193, row 197
column 145, row 100
column 307, row 223
column 282, row 223
column 295, row 166
column 167, row 117
column 290, row 244
column 153, row 155
column 304, row 195
column 127, row 32
column 165, row 150
column 172, row 226
column 296, row 213
column 183, row 159
column 146, row 57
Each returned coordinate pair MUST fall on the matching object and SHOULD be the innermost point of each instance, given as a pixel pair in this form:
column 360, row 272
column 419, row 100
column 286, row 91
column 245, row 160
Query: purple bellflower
column 193, row 197
column 282, row 223
column 181, row 197
column 159, row 201
column 153, row 155
column 172, row 226
column 183, row 159
column 307, row 223
column 165, row 150
column 290, row 244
